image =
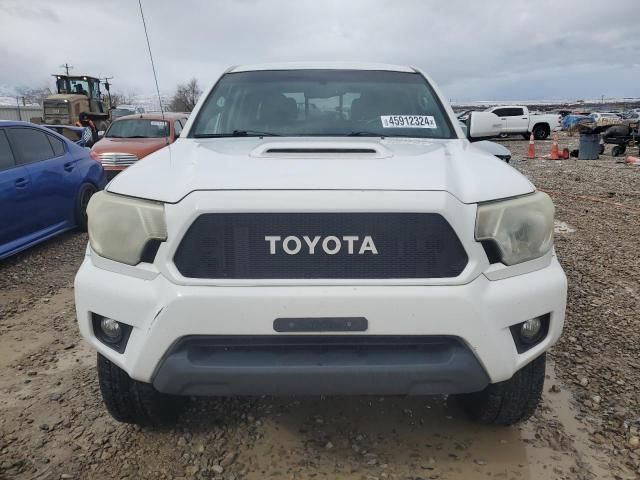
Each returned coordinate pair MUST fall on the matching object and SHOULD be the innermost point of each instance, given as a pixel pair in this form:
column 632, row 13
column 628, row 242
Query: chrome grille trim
column 117, row 159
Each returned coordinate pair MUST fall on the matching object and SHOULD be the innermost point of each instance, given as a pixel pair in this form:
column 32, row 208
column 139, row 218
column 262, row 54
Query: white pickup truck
column 516, row 119
column 322, row 229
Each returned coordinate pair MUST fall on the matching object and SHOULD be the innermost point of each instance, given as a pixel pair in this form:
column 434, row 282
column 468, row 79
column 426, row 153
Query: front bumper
column 319, row 365
column 477, row 315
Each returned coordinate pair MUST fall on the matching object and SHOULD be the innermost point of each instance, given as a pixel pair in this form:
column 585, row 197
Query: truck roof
column 507, row 106
column 321, row 66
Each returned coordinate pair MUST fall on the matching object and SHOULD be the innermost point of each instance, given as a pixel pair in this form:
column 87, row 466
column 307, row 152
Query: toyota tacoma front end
column 321, row 229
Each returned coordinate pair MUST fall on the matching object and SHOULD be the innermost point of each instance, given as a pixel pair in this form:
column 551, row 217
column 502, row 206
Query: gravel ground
column 53, row 424
column 599, row 354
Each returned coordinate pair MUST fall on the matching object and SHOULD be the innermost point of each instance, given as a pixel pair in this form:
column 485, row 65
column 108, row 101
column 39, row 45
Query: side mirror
column 483, row 125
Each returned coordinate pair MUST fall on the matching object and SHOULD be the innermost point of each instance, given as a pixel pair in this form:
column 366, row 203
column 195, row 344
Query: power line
column 153, row 66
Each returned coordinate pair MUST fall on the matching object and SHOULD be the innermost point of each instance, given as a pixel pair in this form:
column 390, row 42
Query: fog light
column 530, row 329
column 531, row 332
column 111, row 329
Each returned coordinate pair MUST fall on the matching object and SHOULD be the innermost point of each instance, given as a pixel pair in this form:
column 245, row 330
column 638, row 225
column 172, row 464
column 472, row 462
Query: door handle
column 69, row 166
column 22, row 182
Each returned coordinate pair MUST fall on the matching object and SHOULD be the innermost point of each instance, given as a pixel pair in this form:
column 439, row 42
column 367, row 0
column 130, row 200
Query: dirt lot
column 53, row 424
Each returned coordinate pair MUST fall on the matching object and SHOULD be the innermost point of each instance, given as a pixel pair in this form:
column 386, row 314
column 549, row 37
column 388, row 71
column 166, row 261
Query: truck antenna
column 67, row 67
column 153, row 66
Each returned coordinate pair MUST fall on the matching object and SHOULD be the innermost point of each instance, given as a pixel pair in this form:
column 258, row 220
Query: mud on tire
column 130, row 401
column 511, row 401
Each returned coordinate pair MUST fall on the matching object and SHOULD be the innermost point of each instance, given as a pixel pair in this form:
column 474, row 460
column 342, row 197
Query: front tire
column 82, row 201
column 541, row 131
column 130, row 401
column 618, row 150
column 509, row 402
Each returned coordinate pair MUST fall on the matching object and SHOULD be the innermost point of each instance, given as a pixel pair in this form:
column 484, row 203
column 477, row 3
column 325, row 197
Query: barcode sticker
column 408, row 121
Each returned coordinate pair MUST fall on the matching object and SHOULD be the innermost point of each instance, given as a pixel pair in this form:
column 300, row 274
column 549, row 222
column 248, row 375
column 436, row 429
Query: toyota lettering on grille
column 331, row 245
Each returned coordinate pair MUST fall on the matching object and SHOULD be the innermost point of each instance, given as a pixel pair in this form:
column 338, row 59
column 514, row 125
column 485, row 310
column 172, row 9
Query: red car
column 133, row 137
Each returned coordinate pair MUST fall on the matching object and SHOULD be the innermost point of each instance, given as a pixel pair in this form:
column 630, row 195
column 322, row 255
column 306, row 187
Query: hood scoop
column 321, row 150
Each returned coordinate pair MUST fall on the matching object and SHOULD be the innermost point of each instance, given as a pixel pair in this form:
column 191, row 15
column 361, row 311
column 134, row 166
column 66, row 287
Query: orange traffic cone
column 555, row 154
column 531, row 153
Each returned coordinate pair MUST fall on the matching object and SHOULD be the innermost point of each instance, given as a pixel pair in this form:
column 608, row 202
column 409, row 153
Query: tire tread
column 509, row 402
column 130, row 401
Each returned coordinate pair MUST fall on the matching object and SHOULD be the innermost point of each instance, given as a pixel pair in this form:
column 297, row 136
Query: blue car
column 46, row 182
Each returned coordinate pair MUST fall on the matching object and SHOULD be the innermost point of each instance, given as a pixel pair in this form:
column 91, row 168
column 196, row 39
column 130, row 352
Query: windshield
column 138, row 128
column 322, row 103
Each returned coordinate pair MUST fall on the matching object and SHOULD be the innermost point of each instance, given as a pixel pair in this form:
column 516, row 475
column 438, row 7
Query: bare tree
column 30, row 95
column 185, row 97
column 119, row 98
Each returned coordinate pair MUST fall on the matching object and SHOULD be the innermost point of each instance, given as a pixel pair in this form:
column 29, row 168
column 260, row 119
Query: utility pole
column 66, row 66
column 18, row 106
column 107, row 86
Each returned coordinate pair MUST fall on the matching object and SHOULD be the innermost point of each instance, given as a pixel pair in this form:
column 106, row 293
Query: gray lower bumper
column 319, row 365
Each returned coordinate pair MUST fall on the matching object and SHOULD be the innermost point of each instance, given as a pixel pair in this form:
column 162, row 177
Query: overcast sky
column 474, row 49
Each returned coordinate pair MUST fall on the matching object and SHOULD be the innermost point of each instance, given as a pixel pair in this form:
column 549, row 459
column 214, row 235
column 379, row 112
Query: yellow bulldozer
column 76, row 95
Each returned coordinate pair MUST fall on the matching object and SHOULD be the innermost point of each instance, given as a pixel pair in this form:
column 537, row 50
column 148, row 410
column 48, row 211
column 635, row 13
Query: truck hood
column 279, row 163
column 140, row 147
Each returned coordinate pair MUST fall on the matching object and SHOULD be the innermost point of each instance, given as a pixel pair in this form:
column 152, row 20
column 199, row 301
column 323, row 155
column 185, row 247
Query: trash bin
column 589, row 146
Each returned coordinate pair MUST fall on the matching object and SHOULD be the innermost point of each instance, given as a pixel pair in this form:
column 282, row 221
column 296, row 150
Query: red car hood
column 140, row 147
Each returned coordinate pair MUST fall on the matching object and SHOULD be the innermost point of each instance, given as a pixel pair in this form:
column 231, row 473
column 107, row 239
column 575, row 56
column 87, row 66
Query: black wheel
column 618, row 150
column 82, row 201
column 130, row 401
column 541, row 131
column 526, row 135
column 504, row 135
column 511, row 401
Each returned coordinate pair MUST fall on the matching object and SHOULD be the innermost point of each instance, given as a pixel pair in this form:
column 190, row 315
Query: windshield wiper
column 237, row 133
column 364, row 134
column 251, row 133
column 382, row 135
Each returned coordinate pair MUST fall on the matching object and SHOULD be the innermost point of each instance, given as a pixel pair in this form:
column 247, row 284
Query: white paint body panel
column 453, row 166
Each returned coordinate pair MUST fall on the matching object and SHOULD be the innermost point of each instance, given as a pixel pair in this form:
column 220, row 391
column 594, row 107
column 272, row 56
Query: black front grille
column 233, row 246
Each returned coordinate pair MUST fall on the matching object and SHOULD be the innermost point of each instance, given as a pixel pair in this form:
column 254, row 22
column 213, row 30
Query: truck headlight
column 521, row 228
column 120, row 227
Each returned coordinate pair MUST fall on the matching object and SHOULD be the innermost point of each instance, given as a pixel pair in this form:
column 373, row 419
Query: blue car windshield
column 323, row 103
